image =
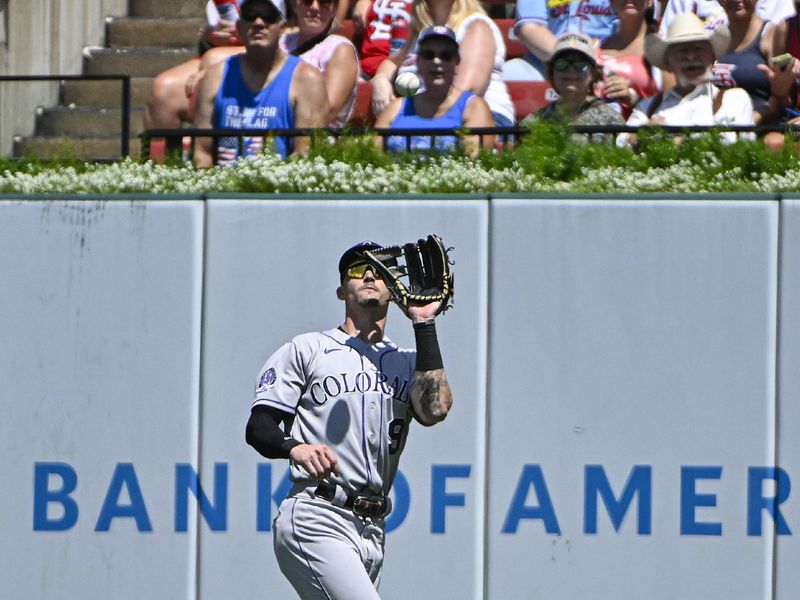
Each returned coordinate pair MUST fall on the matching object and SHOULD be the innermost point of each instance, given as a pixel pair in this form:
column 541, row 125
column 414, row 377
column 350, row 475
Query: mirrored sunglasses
column 445, row 55
column 358, row 270
column 562, row 64
column 268, row 16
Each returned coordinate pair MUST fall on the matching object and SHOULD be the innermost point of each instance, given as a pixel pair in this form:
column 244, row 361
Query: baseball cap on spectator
column 438, row 31
column 573, row 41
column 278, row 4
column 685, row 27
column 354, row 253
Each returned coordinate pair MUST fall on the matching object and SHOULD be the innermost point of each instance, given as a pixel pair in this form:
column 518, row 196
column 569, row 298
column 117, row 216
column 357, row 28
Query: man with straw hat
column 688, row 51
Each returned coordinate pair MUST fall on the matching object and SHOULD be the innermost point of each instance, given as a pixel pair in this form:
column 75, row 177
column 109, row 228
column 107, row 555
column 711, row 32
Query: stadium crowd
column 426, row 64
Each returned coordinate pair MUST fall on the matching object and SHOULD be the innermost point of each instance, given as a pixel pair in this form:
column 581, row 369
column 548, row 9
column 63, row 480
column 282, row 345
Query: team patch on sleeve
column 267, row 380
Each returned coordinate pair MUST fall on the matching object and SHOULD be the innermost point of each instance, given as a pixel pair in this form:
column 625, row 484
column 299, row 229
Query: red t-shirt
column 386, row 30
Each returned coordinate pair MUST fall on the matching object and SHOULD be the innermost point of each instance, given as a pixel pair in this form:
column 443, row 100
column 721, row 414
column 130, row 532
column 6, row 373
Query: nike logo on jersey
column 329, row 350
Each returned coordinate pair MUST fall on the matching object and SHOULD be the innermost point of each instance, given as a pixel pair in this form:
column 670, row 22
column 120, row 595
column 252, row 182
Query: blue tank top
column 408, row 118
column 746, row 74
column 238, row 107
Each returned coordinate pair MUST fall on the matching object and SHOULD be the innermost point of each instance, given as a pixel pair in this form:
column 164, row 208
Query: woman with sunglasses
column 334, row 55
column 442, row 105
column 573, row 71
column 483, row 53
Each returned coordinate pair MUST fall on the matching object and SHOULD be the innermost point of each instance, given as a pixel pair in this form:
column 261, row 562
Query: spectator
column 387, row 23
column 688, row 52
column 264, row 88
column 746, row 65
column 169, row 103
column 482, row 55
column 573, row 71
column 628, row 77
column 538, row 24
column 442, row 104
column 334, row 55
column 713, row 15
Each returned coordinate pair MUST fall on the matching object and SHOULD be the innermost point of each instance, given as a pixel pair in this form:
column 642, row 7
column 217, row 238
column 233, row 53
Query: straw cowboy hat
column 685, row 27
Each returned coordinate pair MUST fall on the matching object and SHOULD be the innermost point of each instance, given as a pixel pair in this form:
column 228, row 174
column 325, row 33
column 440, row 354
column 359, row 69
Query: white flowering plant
column 545, row 160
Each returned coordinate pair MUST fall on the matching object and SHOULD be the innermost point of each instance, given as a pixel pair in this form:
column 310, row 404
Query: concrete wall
column 44, row 37
column 623, row 373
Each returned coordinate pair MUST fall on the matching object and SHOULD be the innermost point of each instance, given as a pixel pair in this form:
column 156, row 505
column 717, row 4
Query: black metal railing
column 125, row 97
column 173, row 139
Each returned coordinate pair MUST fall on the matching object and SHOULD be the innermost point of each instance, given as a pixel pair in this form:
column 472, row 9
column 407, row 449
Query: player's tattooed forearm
column 434, row 395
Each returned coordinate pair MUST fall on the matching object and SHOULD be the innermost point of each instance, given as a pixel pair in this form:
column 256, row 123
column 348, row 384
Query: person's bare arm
column 342, row 10
column 204, row 113
column 537, row 38
column 382, row 82
column 341, row 76
column 360, row 10
column 477, row 51
column 309, row 100
column 384, row 120
column 478, row 114
column 431, row 396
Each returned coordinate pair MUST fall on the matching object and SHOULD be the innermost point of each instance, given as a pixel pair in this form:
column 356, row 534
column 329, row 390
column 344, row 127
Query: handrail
column 126, row 97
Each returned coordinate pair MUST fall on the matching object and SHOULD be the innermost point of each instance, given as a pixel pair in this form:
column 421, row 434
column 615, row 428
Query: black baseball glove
column 425, row 264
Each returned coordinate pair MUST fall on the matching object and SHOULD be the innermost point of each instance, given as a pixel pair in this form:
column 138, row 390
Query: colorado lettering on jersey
column 332, row 386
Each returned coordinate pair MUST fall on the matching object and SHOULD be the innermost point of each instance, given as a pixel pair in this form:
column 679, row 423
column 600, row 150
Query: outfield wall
column 623, row 371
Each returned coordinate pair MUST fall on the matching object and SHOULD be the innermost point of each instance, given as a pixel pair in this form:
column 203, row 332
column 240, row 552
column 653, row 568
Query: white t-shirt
column 696, row 108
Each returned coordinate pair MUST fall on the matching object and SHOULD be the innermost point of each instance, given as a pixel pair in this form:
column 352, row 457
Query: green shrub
column 547, row 159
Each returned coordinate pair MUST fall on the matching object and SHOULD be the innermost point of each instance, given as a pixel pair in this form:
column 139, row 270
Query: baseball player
column 347, row 397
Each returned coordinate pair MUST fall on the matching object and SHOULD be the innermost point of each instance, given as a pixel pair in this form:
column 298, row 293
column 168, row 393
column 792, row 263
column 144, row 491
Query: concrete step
column 149, row 32
column 167, row 8
column 137, row 62
column 84, row 122
column 99, row 94
column 99, row 148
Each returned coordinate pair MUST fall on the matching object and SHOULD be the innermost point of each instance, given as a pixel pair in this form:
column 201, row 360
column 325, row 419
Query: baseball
column 406, row 84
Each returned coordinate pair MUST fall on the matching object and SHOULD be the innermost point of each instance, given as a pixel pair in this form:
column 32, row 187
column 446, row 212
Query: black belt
column 363, row 505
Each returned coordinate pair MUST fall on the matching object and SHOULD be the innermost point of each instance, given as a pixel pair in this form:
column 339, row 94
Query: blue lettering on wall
column 215, row 513
column 55, row 498
column 124, row 477
column 531, row 476
column 440, row 499
column 44, row 496
column 757, row 503
column 401, row 502
column 596, row 484
column 690, row 500
column 265, row 496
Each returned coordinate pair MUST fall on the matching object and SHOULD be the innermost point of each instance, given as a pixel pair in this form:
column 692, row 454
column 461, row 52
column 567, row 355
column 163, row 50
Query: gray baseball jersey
column 348, row 394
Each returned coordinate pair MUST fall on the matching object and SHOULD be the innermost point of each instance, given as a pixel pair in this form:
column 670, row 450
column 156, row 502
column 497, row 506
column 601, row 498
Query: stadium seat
column 529, row 96
column 362, row 111
column 514, row 48
column 347, row 29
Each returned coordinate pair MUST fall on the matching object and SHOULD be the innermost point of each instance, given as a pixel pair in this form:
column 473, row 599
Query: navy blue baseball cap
column 437, row 31
column 355, row 252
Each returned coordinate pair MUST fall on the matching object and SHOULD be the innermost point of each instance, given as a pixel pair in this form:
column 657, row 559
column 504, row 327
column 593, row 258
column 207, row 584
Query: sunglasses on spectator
column 322, row 3
column 581, row 66
column 268, row 16
column 445, row 55
column 358, row 270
